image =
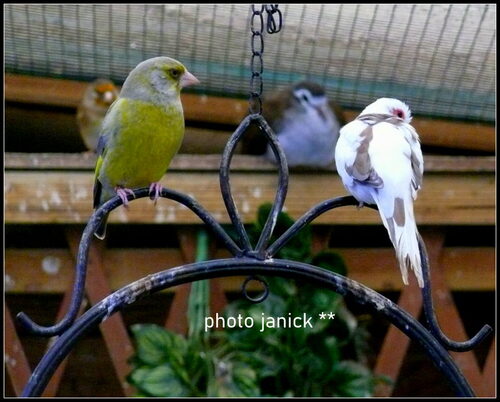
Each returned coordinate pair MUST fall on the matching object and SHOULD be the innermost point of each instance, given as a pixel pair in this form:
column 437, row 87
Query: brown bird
column 97, row 98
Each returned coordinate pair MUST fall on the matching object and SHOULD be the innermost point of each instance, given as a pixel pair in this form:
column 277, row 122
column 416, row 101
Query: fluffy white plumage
column 379, row 159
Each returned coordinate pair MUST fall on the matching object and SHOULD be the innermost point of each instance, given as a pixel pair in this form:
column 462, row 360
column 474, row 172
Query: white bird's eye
column 399, row 113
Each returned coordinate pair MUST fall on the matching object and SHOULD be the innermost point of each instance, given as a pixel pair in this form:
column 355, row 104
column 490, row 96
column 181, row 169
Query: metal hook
column 431, row 315
column 81, row 264
column 261, row 297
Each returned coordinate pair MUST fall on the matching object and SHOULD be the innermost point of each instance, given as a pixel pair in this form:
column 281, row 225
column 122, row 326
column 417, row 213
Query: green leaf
column 155, row 345
column 331, row 349
column 345, row 317
column 284, row 288
column 352, row 379
column 235, row 379
column 331, row 261
column 199, row 296
column 299, row 246
column 158, row 381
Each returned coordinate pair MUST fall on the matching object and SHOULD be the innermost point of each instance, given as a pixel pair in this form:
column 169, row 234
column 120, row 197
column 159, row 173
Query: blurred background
column 440, row 59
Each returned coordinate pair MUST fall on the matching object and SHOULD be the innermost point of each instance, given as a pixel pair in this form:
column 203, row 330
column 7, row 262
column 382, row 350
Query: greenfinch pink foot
column 122, row 193
column 154, row 191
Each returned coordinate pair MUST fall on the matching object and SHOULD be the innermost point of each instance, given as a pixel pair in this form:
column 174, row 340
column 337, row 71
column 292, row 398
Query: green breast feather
column 143, row 148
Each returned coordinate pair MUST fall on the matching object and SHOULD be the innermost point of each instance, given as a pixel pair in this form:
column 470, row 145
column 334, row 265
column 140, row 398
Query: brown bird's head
column 103, row 92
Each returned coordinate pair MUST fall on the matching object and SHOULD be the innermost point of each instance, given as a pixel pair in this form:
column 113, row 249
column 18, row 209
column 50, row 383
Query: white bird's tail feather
column 404, row 236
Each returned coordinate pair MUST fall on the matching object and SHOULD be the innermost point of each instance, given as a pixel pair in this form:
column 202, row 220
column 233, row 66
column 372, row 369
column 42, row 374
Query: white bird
column 306, row 124
column 379, row 159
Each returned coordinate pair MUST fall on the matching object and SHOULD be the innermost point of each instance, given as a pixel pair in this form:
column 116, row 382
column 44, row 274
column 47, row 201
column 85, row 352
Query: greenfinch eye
column 174, row 73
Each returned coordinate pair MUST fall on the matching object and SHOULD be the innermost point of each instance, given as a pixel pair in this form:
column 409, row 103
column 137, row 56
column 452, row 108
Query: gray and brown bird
column 96, row 100
column 307, row 125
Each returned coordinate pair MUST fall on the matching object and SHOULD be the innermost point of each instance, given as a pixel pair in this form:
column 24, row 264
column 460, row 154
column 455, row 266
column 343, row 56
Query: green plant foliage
column 160, row 362
column 167, row 364
column 299, row 246
column 323, row 359
column 301, row 361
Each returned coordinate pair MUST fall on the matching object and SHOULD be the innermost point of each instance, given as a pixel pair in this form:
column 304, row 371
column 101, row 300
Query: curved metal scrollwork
column 246, row 261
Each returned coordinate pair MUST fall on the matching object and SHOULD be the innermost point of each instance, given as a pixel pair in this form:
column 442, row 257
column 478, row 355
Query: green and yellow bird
column 142, row 132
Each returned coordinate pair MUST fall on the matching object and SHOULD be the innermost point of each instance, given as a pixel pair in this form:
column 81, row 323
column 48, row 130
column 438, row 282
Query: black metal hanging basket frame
column 246, row 260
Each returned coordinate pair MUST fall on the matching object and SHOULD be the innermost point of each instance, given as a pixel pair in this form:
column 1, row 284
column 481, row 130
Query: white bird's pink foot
column 122, row 193
column 154, row 191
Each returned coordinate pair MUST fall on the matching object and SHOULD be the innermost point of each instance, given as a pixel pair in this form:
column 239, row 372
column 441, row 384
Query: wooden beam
column 52, row 387
column 490, row 372
column 446, row 311
column 51, row 270
column 390, row 359
column 16, row 362
column 177, row 317
column 113, row 329
column 66, row 197
column 67, row 93
column 450, row 134
column 239, row 163
column 43, row 91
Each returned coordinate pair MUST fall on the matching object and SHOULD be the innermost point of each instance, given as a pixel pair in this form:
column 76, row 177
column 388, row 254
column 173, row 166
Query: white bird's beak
column 188, row 79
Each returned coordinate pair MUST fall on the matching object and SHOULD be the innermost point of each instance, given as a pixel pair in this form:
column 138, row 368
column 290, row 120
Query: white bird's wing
column 390, row 156
column 399, row 165
column 353, row 160
column 417, row 159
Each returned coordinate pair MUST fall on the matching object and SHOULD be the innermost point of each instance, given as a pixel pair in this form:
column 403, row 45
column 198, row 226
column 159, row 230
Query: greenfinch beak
column 188, row 79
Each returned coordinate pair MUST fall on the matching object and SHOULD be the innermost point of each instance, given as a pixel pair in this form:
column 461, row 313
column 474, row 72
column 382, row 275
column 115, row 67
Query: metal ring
column 256, row 85
column 252, row 22
column 260, row 298
column 257, row 11
column 257, row 44
column 257, row 67
column 255, row 104
column 272, row 26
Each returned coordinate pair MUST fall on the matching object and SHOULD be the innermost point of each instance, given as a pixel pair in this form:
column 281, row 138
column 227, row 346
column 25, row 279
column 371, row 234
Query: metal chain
column 271, row 23
column 256, row 86
column 257, row 43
